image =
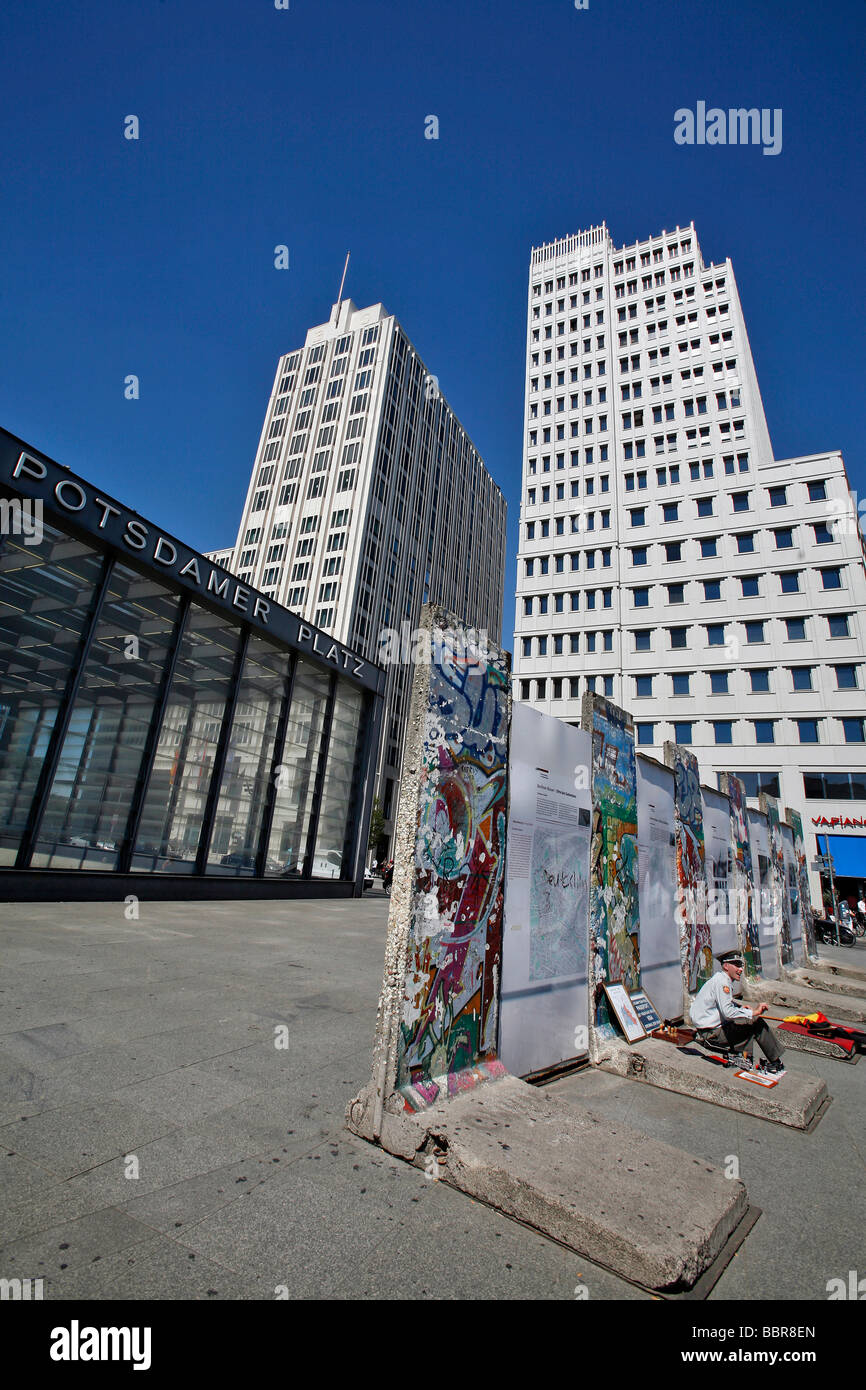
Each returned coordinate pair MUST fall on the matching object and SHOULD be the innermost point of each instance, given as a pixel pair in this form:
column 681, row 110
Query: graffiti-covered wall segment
column 696, row 950
column 450, row 999
column 436, row 1032
column 613, row 902
column 447, row 1017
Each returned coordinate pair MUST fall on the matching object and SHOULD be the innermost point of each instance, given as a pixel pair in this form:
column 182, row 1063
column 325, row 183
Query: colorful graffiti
column 696, row 948
column 806, row 915
column 448, row 1028
column 613, row 900
column 779, row 878
column 747, row 918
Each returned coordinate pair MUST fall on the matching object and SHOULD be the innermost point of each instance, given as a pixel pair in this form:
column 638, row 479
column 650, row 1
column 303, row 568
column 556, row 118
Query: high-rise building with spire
column 367, row 499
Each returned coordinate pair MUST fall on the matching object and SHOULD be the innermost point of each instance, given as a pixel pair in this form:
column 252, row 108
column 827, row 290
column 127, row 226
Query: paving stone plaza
column 172, row 1126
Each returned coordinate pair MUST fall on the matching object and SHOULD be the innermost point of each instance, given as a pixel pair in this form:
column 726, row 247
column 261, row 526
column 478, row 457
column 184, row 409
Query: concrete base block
column 850, row 966
column 798, row 999
column 810, row 977
column 821, row 1047
column 835, row 970
column 795, row 1101
column 647, row 1211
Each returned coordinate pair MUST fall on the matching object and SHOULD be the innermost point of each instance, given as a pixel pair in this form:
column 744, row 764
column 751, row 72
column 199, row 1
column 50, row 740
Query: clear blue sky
column 306, row 127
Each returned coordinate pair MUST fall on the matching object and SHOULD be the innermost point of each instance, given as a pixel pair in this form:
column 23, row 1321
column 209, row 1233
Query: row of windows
column 717, row 635
column 540, row 565
column 588, row 459
column 669, row 474
column 633, row 390
column 589, row 562
column 560, row 642
column 740, row 502
column 674, row 249
column 580, row 522
column 574, row 489
column 802, row 679
column 656, row 357
column 657, row 304
column 694, row 437
column 571, row 685
column 835, row 786
column 585, row 521
column 764, row 730
column 664, row 384
column 632, row 363
column 750, row 587
column 673, row 273
column 539, row 603
column 708, row 548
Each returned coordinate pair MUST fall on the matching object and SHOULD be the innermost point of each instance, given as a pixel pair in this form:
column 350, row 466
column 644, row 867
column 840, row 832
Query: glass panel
column 296, row 775
column 171, row 822
column 47, row 594
column 85, row 820
column 837, row 787
column 336, row 822
column 249, row 762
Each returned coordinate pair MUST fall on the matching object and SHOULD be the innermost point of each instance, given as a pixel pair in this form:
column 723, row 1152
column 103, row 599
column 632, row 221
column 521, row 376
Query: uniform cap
column 731, row 958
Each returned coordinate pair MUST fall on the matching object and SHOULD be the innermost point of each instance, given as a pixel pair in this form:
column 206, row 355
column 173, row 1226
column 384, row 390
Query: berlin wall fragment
column 614, row 921
column 770, row 807
column 696, row 949
column 806, row 914
column 436, row 1030
column 747, row 913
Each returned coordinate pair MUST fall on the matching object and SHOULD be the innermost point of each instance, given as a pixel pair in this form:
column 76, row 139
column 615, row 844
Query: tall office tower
column 666, row 559
column 368, row 499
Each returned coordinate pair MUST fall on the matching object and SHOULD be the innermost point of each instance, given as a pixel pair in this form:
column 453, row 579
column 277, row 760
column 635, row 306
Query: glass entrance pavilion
column 159, row 718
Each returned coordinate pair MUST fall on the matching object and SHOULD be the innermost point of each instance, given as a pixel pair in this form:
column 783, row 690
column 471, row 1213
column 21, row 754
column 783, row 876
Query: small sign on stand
column 646, row 1010
column 620, row 1002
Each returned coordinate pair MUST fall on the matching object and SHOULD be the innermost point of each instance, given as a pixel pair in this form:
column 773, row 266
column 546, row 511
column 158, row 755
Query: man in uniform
column 725, row 1024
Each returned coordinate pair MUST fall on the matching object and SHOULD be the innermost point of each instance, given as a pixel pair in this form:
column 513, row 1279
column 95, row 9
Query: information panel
column 543, row 1017
column 792, row 885
column 661, row 971
column 721, row 900
column 761, row 868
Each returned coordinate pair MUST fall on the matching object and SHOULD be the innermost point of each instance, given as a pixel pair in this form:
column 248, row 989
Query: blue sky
column 306, row 127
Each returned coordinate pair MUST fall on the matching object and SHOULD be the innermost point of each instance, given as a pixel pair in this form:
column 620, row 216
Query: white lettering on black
column 36, row 468
column 79, row 493
column 191, row 567
column 107, row 510
column 157, row 552
column 135, row 535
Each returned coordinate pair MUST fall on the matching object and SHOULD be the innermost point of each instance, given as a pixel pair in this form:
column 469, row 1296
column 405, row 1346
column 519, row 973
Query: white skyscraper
column 367, row 499
column 666, row 559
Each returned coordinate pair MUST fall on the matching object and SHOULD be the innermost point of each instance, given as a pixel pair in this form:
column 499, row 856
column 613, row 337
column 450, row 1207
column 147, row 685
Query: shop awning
column 849, row 855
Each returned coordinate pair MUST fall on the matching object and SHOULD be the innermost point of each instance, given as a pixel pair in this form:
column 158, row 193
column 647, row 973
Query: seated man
column 722, row 1023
